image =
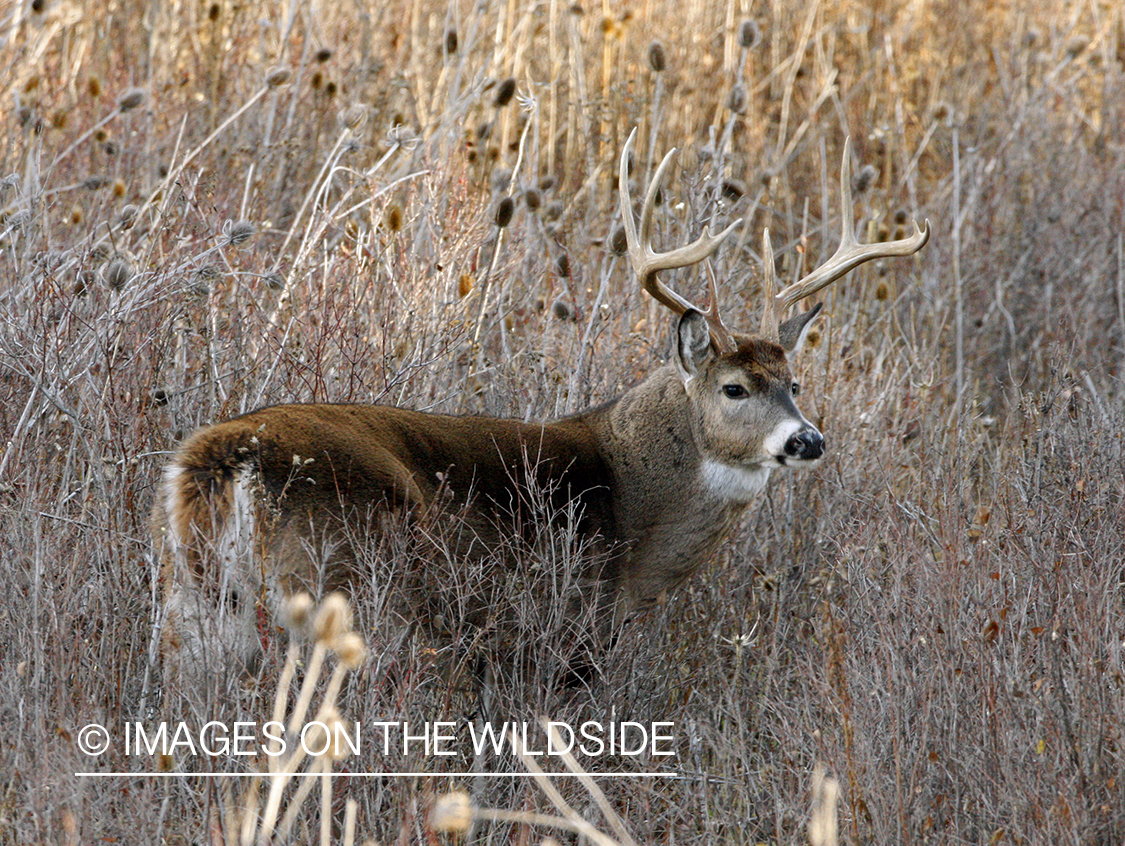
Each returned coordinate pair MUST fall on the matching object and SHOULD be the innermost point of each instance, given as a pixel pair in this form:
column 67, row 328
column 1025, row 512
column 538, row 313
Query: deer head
column 740, row 384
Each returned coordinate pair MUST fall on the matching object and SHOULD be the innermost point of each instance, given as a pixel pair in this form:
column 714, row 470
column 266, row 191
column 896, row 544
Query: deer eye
column 734, row 391
column 795, row 389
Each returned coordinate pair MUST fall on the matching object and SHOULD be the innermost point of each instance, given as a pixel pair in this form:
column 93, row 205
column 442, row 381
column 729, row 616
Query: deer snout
column 805, row 445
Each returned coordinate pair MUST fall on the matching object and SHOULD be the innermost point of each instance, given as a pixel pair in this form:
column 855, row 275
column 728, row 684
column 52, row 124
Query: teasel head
column 277, row 77
column 452, row 812
column 393, row 217
column 350, row 649
column 333, row 619
column 504, row 211
column 117, row 273
column 863, row 178
column 749, row 34
column 131, row 99
column 239, row 232
column 737, row 98
column 505, row 92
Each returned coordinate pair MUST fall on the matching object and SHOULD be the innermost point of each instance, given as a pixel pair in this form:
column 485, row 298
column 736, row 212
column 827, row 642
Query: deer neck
column 671, row 504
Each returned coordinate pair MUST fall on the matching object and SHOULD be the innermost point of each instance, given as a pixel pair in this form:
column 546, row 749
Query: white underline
column 378, row 775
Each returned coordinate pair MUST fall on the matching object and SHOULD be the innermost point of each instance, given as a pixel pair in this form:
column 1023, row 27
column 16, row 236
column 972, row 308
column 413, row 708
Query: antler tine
column 721, row 336
column 769, row 288
column 851, row 254
column 647, row 262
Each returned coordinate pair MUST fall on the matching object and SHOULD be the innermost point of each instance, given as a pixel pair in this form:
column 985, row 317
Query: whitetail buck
column 659, row 475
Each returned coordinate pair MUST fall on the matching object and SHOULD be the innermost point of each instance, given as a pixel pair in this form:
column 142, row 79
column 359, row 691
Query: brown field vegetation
column 210, row 206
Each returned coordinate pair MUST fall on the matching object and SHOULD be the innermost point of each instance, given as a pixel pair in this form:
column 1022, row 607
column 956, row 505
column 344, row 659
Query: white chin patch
column 731, row 482
column 774, row 444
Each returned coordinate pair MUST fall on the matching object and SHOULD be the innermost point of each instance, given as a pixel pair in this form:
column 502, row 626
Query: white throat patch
column 733, row 483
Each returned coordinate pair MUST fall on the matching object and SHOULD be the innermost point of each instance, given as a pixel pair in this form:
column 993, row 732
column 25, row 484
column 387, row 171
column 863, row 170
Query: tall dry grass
column 210, row 207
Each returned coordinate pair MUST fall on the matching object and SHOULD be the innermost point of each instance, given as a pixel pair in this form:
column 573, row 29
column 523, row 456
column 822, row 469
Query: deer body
column 655, row 479
column 658, row 475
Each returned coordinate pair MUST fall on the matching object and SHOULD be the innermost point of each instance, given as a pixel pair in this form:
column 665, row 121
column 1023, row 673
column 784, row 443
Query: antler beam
column 647, row 262
column 848, row 256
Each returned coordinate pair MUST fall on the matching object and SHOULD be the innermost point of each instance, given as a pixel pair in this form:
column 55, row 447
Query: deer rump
column 479, row 535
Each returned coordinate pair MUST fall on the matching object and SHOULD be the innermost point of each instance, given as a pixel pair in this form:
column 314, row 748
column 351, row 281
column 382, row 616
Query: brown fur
column 650, row 472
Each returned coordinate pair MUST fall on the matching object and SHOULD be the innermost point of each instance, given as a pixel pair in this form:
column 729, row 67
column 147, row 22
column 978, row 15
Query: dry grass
column 934, row 614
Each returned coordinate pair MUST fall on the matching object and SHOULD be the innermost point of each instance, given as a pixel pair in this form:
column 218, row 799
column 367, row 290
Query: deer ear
column 693, row 344
column 792, row 333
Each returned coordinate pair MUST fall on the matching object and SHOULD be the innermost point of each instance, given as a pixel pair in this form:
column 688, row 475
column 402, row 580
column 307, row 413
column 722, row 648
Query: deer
column 660, row 475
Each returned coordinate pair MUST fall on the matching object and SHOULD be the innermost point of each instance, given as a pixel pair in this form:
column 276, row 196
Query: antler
column 848, row 256
column 647, row 262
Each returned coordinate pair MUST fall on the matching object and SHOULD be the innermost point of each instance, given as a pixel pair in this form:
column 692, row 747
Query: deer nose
column 806, row 445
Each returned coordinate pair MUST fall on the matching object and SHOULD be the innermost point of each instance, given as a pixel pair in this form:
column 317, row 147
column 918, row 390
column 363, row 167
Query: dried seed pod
column 298, row 610
column 350, row 649
column 736, row 100
column 657, row 59
column 117, row 273
column 240, row 232
column 392, row 217
column 504, row 211
column 749, row 34
column 733, row 189
column 452, row 812
column 203, row 280
column 333, row 619
column 863, row 178
column 562, row 310
column 450, row 42
column 533, row 199
column 505, row 92
column 131, row 99
column 619, row 244
column 277, row 77
column 354, row 117
column 562, row 265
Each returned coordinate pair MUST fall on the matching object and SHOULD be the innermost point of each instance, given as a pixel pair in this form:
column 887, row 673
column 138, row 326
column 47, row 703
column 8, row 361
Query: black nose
column 805, row 445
